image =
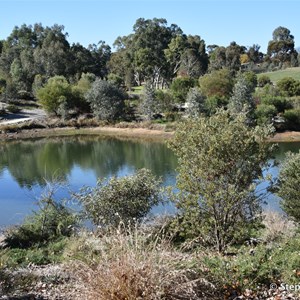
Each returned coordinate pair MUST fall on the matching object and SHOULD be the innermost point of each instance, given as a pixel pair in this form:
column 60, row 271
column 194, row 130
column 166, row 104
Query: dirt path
column 23, row 116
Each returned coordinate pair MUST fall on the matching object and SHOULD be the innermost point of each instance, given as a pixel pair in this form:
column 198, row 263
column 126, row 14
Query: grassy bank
column 277, row 75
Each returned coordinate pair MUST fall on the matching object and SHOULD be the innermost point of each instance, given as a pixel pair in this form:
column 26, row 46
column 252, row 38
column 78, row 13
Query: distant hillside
column 277, row 75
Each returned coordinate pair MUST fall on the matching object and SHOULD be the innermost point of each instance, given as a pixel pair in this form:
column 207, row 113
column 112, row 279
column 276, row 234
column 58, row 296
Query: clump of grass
column 133, row 265
column 87, row 122
column 142, row 124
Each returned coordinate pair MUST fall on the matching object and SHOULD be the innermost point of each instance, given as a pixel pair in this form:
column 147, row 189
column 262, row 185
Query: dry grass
column 277, row 226
column 143, row 124
column 133, row 266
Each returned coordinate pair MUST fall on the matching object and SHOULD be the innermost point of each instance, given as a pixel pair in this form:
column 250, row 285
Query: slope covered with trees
column 38, row 63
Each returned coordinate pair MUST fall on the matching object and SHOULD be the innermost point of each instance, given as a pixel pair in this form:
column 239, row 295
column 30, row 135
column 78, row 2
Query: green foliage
column 115, row 79
column 292, row 118
column 187, row 55
column 128, row 199
column 50, row 223
column 220, row 164
column 229, row 57
column 2, row 85
column 180, row 88
column 106, row 100
column 213, row 103
column 270, row 264
column 79, row 90
column 251, row 80
column 263, row 80
column 241, row 99
column 264, row 113
column 290, row 86
column 56, row 93
column 279, row 102
column 217, row 83
column 38, row 83
column 50, row 252
column 281, row 47
column 289, row 185
column 165, row 101
column 195, row 103
column 148, row 104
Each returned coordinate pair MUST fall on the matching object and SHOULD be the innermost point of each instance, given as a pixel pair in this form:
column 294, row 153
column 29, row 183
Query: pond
column 26, row 166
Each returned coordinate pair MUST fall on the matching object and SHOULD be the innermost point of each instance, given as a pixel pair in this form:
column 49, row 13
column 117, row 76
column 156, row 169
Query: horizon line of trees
column 154, row 52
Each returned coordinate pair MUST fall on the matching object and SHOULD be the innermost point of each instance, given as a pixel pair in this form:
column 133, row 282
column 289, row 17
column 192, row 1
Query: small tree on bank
column 220, row 165
column 106, row 100
column 56, row 93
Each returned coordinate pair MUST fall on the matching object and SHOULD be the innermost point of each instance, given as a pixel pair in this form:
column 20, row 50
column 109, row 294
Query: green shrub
column 217, row 83
column 106, row 100
column 172, row 116
column 290, row 86
column 279, row 102
column 213, row 103
column 115, row 79
column 51, row 222
column 55, row 95
column 180, row 88
column 254, row 268
column 292, row 117
column 263, row 80
column 264, row 113
column 165, row 101
column 127, row 199
column 251, row 79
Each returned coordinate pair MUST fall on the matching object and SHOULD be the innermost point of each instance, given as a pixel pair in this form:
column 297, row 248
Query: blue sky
column 216, row 21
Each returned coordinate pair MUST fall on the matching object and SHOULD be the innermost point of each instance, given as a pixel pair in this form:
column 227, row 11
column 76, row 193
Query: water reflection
column 29, row 162
column 26, row 165
column 80, row 160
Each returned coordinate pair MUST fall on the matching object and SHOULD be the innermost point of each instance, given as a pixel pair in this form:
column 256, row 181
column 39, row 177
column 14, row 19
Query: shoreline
column 134, row 133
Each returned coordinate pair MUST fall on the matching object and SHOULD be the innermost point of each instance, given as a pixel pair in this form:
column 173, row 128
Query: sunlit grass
column 277, row 75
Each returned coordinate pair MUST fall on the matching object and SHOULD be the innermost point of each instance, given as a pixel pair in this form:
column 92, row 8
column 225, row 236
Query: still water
column 26, row 166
